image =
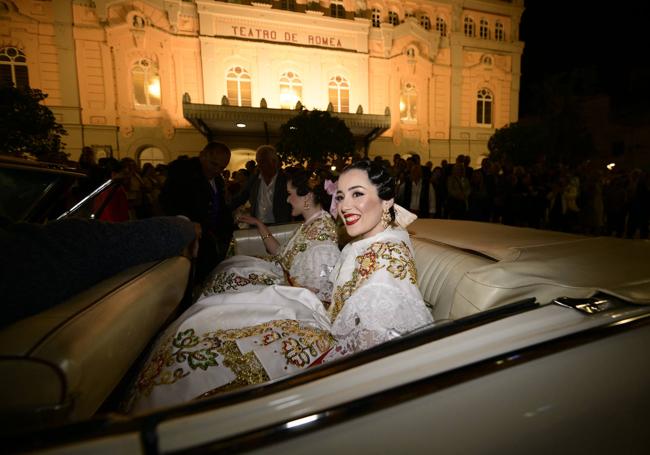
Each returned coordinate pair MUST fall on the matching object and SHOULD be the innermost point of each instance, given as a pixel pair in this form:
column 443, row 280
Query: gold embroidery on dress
column 223, row 282
column 396, row 258
column 321, row 229
column 246, row 367
column 298, row 353
column 185, row 352
column 175, row 351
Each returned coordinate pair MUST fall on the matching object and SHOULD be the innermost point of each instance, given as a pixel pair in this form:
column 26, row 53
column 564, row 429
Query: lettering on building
column 242, row 31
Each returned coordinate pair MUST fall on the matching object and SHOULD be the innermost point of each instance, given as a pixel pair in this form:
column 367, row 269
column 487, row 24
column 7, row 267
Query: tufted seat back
column 440, row 270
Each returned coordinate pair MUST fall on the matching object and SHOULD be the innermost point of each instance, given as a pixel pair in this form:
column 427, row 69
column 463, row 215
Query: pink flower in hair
column 330, row 187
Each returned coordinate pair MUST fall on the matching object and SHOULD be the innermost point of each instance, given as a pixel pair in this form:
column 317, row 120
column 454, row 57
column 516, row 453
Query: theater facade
column 152, row 79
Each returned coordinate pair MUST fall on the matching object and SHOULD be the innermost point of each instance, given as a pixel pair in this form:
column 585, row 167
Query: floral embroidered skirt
column 231, row 340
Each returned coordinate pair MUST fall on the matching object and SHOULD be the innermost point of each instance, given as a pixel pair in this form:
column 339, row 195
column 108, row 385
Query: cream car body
column 538, row 345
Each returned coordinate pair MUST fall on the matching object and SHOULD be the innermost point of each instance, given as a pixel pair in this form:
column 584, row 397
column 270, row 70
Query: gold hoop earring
column 385, row 218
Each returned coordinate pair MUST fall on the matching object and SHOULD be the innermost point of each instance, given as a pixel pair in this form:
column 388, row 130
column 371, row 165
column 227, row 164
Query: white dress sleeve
column 312, row 269
column 378, row 312
column 385, row 305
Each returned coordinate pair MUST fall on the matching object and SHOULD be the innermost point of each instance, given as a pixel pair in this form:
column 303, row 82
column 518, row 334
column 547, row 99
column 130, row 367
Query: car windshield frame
column 33, row 191
column 85, row 207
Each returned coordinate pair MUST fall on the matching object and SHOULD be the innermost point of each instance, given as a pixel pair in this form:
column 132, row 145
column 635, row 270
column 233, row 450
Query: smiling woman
column 363, row 214
column 227, row 341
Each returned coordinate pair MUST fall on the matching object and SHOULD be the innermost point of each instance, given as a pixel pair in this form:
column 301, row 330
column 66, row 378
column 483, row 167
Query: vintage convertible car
column 62, row 364
column 538, row 345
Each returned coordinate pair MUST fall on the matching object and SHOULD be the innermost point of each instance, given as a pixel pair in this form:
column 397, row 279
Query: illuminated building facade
column 116, row 72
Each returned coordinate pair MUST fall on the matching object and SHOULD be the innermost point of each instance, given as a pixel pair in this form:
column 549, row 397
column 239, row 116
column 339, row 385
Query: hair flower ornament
column 403, row 217
column 313, row 182
column 330, row 187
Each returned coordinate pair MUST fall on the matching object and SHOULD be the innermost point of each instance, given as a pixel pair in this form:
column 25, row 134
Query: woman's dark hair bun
column 309, row 182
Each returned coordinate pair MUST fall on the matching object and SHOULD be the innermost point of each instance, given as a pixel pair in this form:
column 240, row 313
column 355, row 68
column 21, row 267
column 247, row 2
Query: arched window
column 146, row 83
column 151, row 155
column 290, row 90
column 441, row 26
column 499, row 32
column 339, row 94
column 289, row 5
column 337, row 9
column 393, row 18
column 410, row 52
column 484, row 29
column 484, row 102
column 425, row 22
column 408, row 104
column 238, row 83
column 13, row 68
column 376, row 17
column 468, row 26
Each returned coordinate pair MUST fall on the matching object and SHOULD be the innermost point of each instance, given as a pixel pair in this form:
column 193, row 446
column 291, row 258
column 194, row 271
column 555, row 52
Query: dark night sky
column 568, row 35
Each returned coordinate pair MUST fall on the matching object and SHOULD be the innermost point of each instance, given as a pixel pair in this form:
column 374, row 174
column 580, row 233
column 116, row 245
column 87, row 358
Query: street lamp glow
column 610, row 166
column 240, row 125
column 154, row 88
column 288, row 98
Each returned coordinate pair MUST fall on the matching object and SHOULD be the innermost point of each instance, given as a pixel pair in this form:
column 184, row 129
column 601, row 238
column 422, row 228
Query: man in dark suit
column 417, row 194
column 266, row 189
column 194, row 188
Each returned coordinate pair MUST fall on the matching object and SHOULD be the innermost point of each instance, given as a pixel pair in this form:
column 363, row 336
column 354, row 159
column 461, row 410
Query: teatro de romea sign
column 276, row 34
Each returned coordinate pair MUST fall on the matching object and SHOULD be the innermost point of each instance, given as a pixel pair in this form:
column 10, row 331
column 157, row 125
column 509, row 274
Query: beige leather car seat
column 440, row 269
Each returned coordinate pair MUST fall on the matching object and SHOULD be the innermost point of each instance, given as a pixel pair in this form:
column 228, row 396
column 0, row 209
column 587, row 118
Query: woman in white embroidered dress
column 222, row 344
column 305, row 261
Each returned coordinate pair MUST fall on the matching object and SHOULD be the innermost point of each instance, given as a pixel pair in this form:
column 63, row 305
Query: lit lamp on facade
column 154, row 88
column 288, row 98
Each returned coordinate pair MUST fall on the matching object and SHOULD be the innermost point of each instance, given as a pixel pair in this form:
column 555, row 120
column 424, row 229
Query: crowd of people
column 584, row 199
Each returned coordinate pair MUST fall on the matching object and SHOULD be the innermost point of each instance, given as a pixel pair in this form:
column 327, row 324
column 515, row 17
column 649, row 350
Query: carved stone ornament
column 126, row 130
column 138, row 37
column 168, row 130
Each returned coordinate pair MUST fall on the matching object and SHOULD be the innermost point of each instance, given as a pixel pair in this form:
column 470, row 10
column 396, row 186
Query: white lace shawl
column 384, row 304
column 314, row 258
